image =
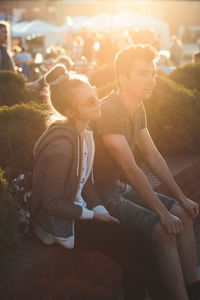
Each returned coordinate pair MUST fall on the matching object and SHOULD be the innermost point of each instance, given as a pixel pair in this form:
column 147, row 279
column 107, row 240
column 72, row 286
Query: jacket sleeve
column 92, row 198
column 54, row 199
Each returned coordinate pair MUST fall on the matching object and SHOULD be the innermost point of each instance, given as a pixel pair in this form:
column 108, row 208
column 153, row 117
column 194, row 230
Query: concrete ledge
column 52, row 272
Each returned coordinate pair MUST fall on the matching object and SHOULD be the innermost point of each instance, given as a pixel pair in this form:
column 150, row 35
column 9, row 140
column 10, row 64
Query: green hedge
column 102, row 75
column 173, row 114
column 20, row 127
column 8, row 220
column 188, row 75
column 13, row 89
column 174, row 118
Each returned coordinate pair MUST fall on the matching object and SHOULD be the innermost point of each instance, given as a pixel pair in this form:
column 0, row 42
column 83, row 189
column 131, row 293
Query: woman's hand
column 105, row 218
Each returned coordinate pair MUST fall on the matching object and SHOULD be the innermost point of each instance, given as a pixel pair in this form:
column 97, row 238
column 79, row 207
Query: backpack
column 21, row 190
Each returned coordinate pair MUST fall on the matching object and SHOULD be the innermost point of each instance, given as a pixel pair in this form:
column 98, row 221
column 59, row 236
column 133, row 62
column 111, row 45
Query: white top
column 79, row 200
column 86, row 165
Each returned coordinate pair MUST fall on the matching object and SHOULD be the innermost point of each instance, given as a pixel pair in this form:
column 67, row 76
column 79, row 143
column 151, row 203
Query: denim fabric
column 123, row 203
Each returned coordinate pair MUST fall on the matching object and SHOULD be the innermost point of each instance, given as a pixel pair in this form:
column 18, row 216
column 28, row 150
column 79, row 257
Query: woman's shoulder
column 55, row 141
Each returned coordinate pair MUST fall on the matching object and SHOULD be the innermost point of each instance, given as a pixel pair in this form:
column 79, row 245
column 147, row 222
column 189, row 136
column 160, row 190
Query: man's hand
column 172, row 224
column 190, row 206
column 105, row 218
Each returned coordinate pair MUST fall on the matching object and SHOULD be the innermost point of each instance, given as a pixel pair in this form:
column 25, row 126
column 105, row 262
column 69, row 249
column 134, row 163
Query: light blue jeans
column 123, row 203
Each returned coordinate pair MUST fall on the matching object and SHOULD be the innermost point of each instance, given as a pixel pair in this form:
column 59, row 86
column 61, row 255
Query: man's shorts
column 123, row 203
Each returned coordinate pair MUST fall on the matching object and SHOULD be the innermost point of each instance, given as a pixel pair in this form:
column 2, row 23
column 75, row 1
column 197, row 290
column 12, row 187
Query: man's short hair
column 124, row 59
column 196, row 57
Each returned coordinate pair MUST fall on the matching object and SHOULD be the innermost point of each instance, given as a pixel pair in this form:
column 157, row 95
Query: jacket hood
column 58, row 129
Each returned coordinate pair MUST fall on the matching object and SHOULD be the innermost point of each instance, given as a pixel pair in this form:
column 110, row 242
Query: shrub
column 8, row 220
column 174, row 117
column 20, row 127
column 188, row 75
column 32, row 95
column 102, row 75
column 13, row 90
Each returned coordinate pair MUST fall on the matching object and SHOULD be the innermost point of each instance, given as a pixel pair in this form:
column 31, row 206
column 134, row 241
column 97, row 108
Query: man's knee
column 161, row 236
column 180, row 212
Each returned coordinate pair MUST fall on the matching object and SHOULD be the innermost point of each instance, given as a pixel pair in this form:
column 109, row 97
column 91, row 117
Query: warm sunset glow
column 99, row 115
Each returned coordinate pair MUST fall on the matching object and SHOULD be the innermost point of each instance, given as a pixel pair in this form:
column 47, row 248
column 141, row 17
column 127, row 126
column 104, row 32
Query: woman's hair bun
column 54, row 73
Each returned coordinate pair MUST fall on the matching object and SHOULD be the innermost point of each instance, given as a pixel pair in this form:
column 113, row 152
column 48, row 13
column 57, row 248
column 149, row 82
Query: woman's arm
column 53, row 193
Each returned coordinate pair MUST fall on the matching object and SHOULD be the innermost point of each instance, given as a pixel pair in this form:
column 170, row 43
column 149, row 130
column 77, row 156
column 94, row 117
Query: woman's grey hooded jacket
column 56, row 176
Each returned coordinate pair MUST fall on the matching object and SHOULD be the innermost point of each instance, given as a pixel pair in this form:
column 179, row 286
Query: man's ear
column 122, row 79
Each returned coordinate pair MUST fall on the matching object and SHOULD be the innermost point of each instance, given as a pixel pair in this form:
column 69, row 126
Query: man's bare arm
column 159, row 167
column 122, row 154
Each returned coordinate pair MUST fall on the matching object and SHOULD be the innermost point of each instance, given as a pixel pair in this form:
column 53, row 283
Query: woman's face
column 86, row 102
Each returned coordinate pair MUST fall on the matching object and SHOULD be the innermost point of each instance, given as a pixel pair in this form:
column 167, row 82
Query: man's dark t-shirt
column 115, row 119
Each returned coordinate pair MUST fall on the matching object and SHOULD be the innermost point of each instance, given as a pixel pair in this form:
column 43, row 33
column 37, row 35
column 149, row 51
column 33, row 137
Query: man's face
column 3, row 35
column 141, row 80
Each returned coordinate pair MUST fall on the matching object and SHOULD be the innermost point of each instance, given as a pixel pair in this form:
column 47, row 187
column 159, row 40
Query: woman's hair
column 65, row 60
column 62, row 85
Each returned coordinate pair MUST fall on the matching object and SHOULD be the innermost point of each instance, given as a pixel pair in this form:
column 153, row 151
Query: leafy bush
column 174, row 117
column 8, row 220
column 13, row 90
column 188, row 75
column 102, row 75
column 20, row 127
column 173, row 114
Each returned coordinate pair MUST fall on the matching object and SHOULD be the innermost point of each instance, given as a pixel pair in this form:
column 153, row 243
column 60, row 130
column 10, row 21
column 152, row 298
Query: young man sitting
column 121, row 126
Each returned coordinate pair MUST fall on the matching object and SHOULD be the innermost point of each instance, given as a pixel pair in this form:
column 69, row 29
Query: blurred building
column 175, row 13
